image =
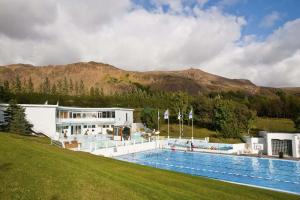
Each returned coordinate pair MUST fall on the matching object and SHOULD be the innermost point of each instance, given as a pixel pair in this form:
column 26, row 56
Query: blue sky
column 254, row 12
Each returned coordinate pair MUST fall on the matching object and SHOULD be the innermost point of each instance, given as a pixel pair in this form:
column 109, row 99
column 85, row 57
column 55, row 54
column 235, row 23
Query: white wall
column 122, row 150
column 120, row 117
column 136, row 127
column 42, row 118
column 295, row 138
column 252, row 141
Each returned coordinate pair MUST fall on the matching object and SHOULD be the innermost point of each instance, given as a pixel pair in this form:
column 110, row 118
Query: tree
column 231, row 119
column 81, row 88
column 76, row 88
column 149, row 117
column 15, row 119
column 71, row 86
column 46, row 87
column 8, row 113
column 297, row 122
column 92, row 91
column 59, row 87
column 53, row 89
column 6, row 86
column 30, row 87
column 65, row 86
column 18, row 85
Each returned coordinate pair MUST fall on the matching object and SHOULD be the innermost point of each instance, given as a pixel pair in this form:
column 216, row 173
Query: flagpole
column 179, row 125
column 158, row 120
column 182, row 124
column 168, row 125
column 192, row 128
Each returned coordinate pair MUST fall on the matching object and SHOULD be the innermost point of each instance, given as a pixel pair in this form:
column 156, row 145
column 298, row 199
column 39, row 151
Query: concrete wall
column 252, row 141
column 120, row 117
column 42, row 118
column 122, row 150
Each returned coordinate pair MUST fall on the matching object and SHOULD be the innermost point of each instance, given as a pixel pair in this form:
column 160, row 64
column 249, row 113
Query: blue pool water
column 269, row 173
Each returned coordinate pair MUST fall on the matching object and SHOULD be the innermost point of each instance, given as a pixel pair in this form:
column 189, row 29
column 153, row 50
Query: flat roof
column 69, row 107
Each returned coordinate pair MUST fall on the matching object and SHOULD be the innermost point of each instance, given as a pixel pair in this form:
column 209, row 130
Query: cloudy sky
column 252, row 39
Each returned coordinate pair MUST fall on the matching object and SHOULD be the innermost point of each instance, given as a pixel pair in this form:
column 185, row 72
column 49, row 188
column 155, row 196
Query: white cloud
column 273, row 62
column 130, row 37
column 270, row 19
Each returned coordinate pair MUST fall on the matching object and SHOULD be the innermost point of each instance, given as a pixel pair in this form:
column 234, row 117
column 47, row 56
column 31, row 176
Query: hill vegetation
column 37, row 170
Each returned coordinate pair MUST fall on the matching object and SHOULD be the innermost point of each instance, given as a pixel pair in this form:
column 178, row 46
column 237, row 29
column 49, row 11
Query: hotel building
column 57, row 121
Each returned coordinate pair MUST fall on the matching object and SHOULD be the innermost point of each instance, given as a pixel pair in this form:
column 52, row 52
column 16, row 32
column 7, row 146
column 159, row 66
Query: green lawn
column 30, row 168
column 275, row 125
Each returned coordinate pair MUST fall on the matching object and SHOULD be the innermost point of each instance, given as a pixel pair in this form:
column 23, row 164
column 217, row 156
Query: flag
column 158, row 115
column 166, row 114
column 191, row 114
column 179, row 115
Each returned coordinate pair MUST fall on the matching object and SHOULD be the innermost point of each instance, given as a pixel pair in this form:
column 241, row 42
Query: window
column 85, row 126
column 113, row 114
column 104, row 114
column 126, row 116
column 93, row 126
column 83, row 115
column 63, row 114
column 76, row 115
column 99, row 114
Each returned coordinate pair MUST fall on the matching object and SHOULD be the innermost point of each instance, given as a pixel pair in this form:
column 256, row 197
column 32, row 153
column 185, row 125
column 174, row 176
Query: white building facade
column 272, row 144
column 59, row 121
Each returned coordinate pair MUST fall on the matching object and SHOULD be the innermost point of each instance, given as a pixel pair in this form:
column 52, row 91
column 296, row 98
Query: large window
column 63, row 114
column 107, row 114
column 76, row 115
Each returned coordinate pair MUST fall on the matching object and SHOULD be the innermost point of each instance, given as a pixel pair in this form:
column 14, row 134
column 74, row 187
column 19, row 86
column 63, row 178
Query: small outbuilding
column 274, row 144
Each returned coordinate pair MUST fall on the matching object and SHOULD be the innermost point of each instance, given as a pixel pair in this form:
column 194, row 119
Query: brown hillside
column 112, row 79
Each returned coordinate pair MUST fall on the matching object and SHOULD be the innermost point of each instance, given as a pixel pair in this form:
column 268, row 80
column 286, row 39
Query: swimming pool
column 268, row 173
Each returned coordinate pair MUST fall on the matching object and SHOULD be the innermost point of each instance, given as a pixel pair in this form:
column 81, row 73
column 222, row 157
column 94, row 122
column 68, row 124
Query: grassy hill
column 111, row 79
column 275, row 125
column 30, row 168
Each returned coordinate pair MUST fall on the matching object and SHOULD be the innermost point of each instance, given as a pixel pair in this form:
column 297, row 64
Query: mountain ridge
column 112, row 79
